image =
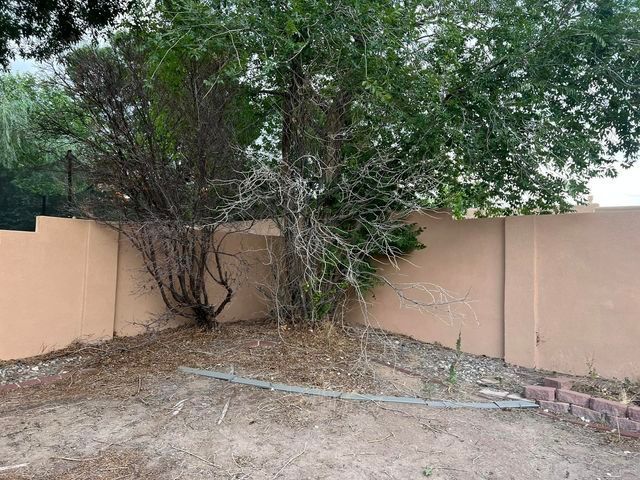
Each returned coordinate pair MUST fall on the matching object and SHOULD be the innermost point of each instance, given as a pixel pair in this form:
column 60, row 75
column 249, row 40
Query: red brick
column 627, row 425
column 51, row 379
column 587, row 414
column 609, row 407
column 555, row 407
column 623, row 424
column 574, row 398
column 30, row 383
column 7, row 387
column 633, row 413
column 558, row 382
column 535, row 392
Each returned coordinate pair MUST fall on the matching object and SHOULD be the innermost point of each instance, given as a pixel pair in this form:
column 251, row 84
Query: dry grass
column 331, row 358
column 117, row 421
column 625, row 391
column 112, row 465
column 134, row 366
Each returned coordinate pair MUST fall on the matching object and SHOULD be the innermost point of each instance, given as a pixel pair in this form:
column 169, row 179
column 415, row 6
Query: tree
column 533, row 100
column 508, row 107
column 153, row 140
column 345, row 117
column 38, row 165
column 518, row 103
column 41, row 28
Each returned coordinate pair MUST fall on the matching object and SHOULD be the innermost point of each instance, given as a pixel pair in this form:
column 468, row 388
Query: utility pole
column 70, row 159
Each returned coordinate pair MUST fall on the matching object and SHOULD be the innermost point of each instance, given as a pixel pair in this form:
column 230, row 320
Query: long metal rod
column 281, row 387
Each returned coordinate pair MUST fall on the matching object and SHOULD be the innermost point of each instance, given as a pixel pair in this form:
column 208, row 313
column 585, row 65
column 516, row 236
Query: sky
column 624, row 190
column 23, row 66
column 620, row 191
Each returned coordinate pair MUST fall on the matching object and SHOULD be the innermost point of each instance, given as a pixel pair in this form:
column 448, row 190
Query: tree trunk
column 204, row 318
column 293, row 128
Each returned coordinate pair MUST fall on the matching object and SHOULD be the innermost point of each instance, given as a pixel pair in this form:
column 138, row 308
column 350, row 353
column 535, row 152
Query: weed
column 453, row 368
column 591, row 369
column 453, row 375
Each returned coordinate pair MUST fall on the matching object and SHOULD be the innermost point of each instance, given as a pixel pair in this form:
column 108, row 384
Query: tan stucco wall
column 557, row 292
column 588, row 293
column 57, row 284
column 465, row 258
column 77, row 280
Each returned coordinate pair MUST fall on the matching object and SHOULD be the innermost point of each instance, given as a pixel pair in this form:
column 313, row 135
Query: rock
column 488, row 382
column 493, row 393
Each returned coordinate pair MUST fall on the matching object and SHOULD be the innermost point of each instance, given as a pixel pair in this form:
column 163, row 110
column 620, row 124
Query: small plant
column 591, row 369
column 453, row 368
column 428, row 389
column 624, row 396
column 630, row 392
column 428, row 471
column 453, row 375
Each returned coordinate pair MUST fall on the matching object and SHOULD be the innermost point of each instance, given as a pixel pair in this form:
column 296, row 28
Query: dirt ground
column 135, row 416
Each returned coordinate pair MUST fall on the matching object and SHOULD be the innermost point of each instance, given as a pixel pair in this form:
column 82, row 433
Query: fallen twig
column 438, row 430
column 13, row 467
column 196, row 456
column 224, row 412
column 69, row 459
column 381, row 439
column 451, row 468
column 178, row 407
column 139, row 386
column 291, row 460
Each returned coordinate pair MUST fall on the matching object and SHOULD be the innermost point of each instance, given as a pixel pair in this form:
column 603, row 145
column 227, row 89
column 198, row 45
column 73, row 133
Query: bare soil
column 136, row 416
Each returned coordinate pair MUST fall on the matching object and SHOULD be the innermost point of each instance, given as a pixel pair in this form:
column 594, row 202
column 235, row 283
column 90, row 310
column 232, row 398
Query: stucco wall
column 56, row 284
column 588, row 293
column 77, row 280
column 557, row 292
column 466, row 259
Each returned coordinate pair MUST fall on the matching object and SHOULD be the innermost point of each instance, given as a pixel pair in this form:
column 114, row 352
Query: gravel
column 20, row 371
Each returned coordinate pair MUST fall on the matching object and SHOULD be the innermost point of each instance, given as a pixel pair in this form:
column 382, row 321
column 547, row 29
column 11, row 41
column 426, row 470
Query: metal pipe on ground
column 281, row 387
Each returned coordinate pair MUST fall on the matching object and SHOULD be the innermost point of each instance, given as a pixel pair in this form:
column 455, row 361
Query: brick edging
column 44, row 380
column 594, row 426
column 557, row 397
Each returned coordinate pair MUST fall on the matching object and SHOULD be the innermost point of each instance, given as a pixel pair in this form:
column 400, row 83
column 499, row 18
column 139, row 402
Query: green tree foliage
column 526, row 101
column 38, row 169
column 36, row 158
column 19, row 207
column 515, row 104
column 41, row 28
